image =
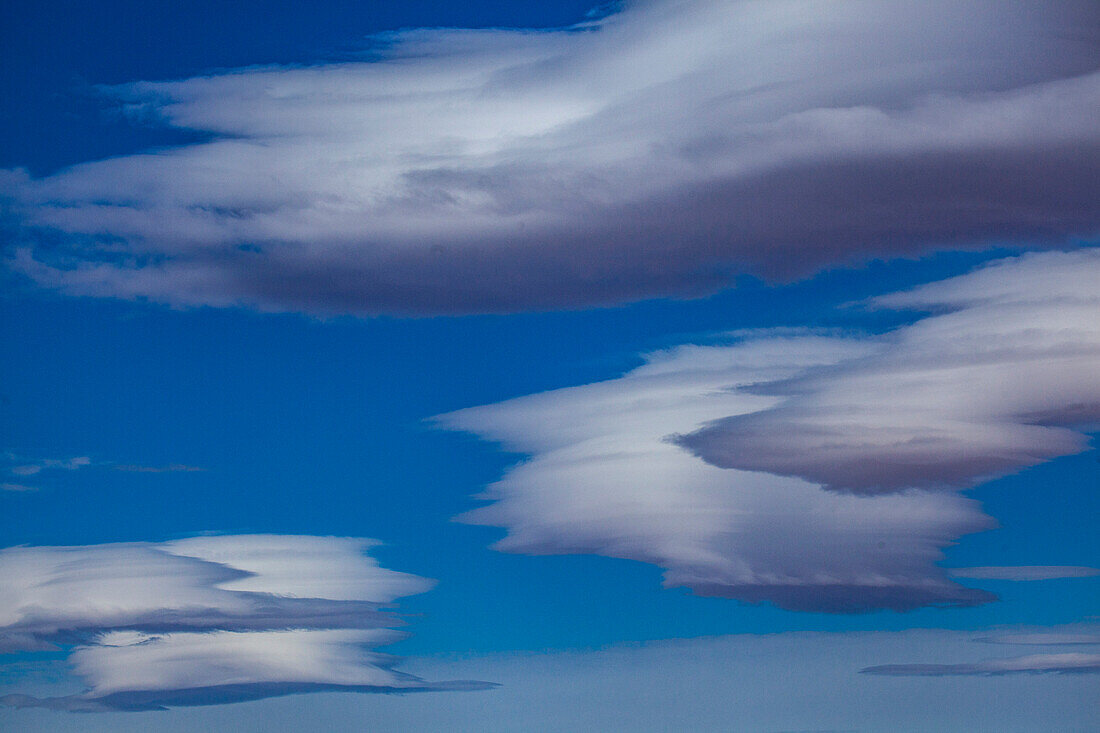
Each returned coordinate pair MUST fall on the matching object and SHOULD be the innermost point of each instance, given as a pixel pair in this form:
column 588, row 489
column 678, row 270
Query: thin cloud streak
column 1071, row 663
column 1025, row 572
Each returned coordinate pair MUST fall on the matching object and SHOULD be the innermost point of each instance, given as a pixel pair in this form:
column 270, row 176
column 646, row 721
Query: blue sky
column 637, row 255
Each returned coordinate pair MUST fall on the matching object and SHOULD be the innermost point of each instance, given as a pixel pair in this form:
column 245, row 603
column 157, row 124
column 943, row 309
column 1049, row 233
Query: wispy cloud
column 1044, row 638
column 1072, row 663
column 170, row 468
column 7, row 486
column 22, row 466
column 1025, row 572
column 207, row 620
column 991, row 386
column 655, row 151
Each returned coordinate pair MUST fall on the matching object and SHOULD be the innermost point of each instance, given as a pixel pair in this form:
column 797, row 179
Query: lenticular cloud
column 604, row 479
column 826, row 470
column 207, row 620
column 1002, row 378
column 653, row 152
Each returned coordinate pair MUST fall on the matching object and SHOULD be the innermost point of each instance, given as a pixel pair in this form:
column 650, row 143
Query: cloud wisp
column 1025, row 572
column 207, row 620
column 656, row 151
column 1069, row 663
column 994, row 384
column 22, row 467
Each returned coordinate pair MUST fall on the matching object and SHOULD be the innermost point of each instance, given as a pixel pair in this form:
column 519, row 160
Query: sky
column 661, row 365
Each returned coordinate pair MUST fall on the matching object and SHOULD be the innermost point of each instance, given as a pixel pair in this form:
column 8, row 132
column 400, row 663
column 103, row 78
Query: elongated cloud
column 656, row 151
column 1071, row 663
column 207, row 620
column 1002, row 378
column 603, row 479
column 990, row 386
column 1025, row 572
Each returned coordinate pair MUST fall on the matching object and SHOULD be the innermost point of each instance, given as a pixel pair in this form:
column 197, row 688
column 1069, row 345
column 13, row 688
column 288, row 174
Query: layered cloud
column 603, row 479
column 1025, row 572
column 988, row 387
column 711, row 684
column 655, row 151
column 1002, row 377
column 207, row 620
column 1069, row 663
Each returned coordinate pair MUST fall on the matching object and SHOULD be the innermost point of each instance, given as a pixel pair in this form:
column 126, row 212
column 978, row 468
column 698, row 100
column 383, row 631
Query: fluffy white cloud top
column 207, row 620
column 654, row 151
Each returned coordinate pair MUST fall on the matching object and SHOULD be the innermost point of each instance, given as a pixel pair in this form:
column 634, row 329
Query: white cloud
column 992, row 386
column 1002, row 377
column 756, row 683
column 603, row 479
column 648, row 153
column 207, row 620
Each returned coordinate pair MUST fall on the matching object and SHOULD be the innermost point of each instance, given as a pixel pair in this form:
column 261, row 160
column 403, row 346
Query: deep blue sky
column 315, row 427
column 309, row 426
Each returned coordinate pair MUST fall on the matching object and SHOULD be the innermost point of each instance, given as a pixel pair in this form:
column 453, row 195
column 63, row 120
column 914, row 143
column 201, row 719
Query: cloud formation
column 207, row 620
column 656, row 151
column 1071, row 663
column 711, row 684
column 1025, row 572
column 23, row 466
column 170, row 468
column 1002, row 377
column 603, row 479
column 832, row 464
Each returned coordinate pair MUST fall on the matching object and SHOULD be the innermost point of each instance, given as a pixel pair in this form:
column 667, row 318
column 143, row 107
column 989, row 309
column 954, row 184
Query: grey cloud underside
column 217, row 695
column 207, row 620
column 659, row 152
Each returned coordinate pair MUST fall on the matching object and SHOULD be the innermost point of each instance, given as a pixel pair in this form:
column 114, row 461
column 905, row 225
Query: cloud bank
column 207, row 620
column 809, row 441
column 656, row 151
column 713, row 684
